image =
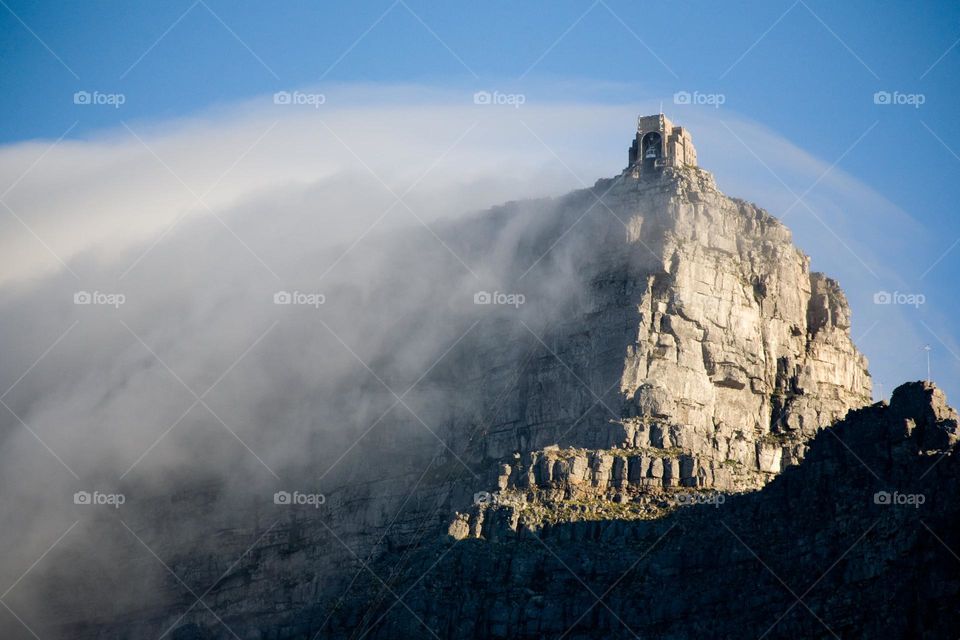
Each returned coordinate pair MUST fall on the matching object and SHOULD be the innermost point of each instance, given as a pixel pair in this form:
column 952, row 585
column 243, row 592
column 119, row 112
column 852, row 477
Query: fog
column 187, row 237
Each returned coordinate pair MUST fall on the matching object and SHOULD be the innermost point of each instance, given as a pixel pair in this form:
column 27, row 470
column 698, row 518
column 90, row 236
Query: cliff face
column 707, row 355
column 853, row 542
column 696, row 351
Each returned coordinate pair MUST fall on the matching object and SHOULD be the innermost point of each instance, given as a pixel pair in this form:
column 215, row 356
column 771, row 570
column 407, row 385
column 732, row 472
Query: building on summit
column 659, row 144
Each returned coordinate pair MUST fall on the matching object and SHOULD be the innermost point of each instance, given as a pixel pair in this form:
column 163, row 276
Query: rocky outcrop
column 689, row 353
column 732, row 337
column 856, row 541
column 733, row 355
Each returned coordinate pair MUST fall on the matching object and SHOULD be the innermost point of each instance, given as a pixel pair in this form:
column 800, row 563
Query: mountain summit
column 721, row 353
column 666, row 375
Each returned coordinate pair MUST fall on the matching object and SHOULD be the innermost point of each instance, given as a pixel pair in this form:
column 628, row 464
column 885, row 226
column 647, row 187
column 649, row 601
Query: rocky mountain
column 856, row 541
column 725, row 353
column 611, row 455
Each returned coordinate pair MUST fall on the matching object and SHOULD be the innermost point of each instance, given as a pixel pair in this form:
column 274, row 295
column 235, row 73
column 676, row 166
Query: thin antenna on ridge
column 661, row 107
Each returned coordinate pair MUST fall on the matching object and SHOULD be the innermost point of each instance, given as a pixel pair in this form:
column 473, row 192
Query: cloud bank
column 180, row 235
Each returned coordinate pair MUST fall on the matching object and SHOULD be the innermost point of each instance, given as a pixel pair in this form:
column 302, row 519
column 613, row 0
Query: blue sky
column 811, row 77
column 806, row 70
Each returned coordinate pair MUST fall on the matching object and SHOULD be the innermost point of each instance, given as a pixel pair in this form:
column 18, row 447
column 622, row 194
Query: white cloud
column 292, row 189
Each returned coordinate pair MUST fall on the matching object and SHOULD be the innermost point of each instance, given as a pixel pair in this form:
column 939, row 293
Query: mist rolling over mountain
column 626, row 367
column 533, row 322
